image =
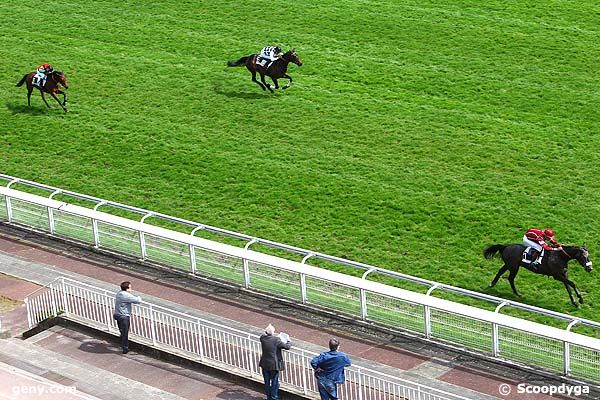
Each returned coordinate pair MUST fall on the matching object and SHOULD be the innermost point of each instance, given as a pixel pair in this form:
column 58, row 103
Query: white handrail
column 491, row 330
column 294, row 249
column 86, row 299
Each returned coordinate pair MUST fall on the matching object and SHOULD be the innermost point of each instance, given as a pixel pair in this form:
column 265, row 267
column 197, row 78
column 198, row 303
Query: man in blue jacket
column 122, row 313
column 329, row 370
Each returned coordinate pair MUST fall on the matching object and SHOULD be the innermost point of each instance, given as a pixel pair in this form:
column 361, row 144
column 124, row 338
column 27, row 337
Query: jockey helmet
column 549, row 232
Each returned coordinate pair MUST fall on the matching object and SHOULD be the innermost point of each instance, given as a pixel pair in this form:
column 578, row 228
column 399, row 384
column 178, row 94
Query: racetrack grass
column 415, row 134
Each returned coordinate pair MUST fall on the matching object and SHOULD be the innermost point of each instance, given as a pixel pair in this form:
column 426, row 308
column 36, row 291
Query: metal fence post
column 50, row 212
column 200, row 339
column 53, row 301
column 427, row 320
column 567, row 349
column 64, row 292
column 304, row 369
column 250, row 351
column 193, row 250
column 360, row 384
column 142, row 237
column 9, row 213
column 50, row 220
column 107, row 312
column 95, row 232
column 363, row 304
column 142, row 245
column 303, row 291
column 303, row 294
column 28, row 306
column 192, row 259
column 495, row 332
column 246, row 266
column 427, row 313
column 566, row 358
column 95, row 225
column 152, row 326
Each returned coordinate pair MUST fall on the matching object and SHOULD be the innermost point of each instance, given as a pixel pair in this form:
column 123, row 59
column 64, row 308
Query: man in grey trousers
column 123, row 302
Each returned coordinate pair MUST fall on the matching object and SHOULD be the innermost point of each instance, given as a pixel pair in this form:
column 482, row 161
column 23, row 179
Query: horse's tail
column 237, row 63
column 492, row 250
column 23, row 79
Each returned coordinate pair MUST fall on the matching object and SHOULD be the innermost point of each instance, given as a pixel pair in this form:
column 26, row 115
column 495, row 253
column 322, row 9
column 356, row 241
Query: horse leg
column 29, row 90
column 570, row 294
column 501, row 271
column 257, row 82
column 262, row 79
column 58, row 101
column 64, row 96
column 44, row 98
column 572, row 284
column 275, row 82
column 511, row 280
column 289, row 78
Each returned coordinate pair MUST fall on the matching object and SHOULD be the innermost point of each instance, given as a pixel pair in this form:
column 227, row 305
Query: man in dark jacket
column 271, row 360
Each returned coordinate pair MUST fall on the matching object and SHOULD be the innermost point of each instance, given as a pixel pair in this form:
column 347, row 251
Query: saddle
column 39, row 80
column 263, row 62
column 530, row 255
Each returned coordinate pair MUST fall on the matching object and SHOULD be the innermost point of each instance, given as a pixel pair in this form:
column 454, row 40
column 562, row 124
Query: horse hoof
column 581, row 301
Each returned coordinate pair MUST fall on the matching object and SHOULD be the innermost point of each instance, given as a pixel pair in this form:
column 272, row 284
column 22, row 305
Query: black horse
column 277, row 70
column 554, row 264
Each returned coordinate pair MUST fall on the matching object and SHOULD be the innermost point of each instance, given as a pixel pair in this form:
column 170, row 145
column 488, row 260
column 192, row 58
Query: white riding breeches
column 528, row 242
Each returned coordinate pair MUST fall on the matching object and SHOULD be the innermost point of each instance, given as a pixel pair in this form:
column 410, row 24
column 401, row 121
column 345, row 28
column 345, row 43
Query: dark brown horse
column 277, row 70
column 54, row 80
column 554, row 264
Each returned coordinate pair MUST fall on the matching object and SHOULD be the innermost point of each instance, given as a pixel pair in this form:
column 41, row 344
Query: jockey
column 41, row 73
column 537, row 239
column 271, row 53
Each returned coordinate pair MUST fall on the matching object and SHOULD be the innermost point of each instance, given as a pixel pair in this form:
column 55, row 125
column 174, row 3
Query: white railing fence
column 491, row 333
column 217, row 345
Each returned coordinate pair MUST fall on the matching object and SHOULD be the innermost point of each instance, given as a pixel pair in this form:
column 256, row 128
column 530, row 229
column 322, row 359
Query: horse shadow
column 240, row 95
column 16, row 108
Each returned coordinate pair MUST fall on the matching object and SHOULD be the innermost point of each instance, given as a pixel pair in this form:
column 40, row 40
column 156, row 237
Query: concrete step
column 68, row 371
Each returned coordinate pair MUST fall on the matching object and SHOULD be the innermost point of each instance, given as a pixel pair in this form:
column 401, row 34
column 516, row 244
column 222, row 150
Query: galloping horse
column 51, row 86
column 277, row 70
column 554, row 264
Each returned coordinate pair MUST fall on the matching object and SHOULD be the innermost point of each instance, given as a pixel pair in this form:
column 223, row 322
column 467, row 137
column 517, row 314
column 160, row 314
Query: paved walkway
column 93, row 366
column 397, row 355
column 18, row 384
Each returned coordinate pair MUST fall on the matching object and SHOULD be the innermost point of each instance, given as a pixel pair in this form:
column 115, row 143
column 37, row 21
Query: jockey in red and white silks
column 538, row 238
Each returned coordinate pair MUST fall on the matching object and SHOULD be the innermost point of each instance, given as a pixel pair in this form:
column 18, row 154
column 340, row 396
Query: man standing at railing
column 123, row 302
column 329, row 370
column 271, row 360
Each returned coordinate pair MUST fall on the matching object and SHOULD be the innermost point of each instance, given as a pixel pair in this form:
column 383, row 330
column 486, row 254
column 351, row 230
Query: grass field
column 416, row 133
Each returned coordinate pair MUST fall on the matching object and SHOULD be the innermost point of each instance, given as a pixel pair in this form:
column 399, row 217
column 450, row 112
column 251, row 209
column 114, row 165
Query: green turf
column 415, row 134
